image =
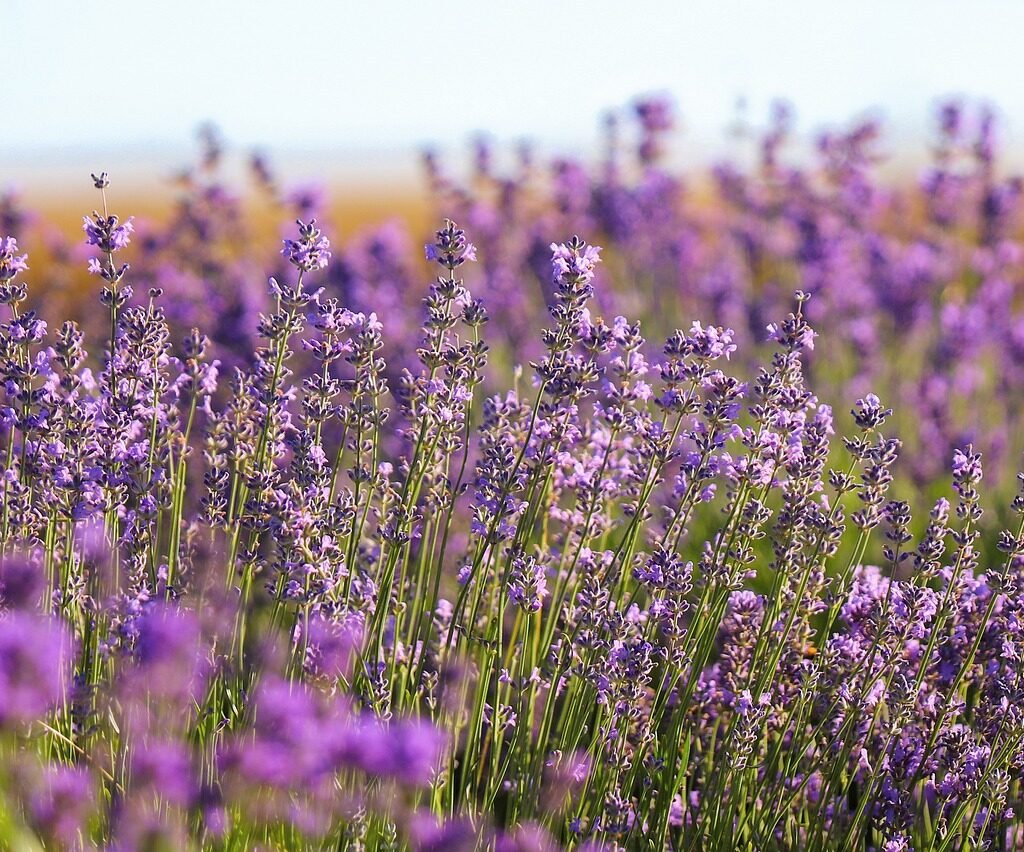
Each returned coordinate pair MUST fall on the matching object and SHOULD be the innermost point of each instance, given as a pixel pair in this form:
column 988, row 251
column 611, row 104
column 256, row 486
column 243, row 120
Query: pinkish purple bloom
column 35, row 667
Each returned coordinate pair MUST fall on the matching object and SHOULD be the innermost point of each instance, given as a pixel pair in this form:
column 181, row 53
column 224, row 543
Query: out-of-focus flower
column 35, row 667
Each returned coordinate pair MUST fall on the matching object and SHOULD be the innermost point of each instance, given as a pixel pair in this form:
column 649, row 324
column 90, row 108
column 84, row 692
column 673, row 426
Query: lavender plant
column 583, row 592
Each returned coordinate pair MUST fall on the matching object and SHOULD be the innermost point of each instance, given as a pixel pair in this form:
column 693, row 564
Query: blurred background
column 350, row 93
column 724, row 154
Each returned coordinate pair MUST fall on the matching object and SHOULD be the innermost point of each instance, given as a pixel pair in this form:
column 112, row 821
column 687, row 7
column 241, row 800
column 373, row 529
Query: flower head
column 450, row 248
column 312, row 250
column 35, row 660
column 574, row 261
column 11, row 263
column 107, row 233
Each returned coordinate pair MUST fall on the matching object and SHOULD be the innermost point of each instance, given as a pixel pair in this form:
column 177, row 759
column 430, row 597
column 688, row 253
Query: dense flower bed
column 341, row 575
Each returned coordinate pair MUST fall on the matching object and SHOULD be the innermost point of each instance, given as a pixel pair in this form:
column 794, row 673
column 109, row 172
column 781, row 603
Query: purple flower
column 107, row 233
column 35, row 667
column 450, row 249
column 869, row 413
column 655, row 113
column 331, row 647
column 21, row 582
column 710, row 342
column 407, row 750
column 967, row 465
column 11, row 263
column 295, row 742
column 428, row 834
column 169, row 656
column 60, row 801
column 574, row 262
column 311, row 251
column 164, row 768
column 527, row 584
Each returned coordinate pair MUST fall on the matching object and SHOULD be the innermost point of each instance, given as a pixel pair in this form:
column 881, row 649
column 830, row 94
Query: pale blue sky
column 360, row 75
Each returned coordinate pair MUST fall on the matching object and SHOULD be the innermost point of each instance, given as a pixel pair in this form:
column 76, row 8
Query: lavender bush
column 335, row 574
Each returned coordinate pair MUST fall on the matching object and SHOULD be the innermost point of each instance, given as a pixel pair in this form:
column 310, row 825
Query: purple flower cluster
column 35, row 670
column 311, row 251
column 360, row 562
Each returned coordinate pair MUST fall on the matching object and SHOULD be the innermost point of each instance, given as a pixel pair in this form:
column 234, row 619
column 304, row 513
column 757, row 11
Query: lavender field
column 644, row 508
